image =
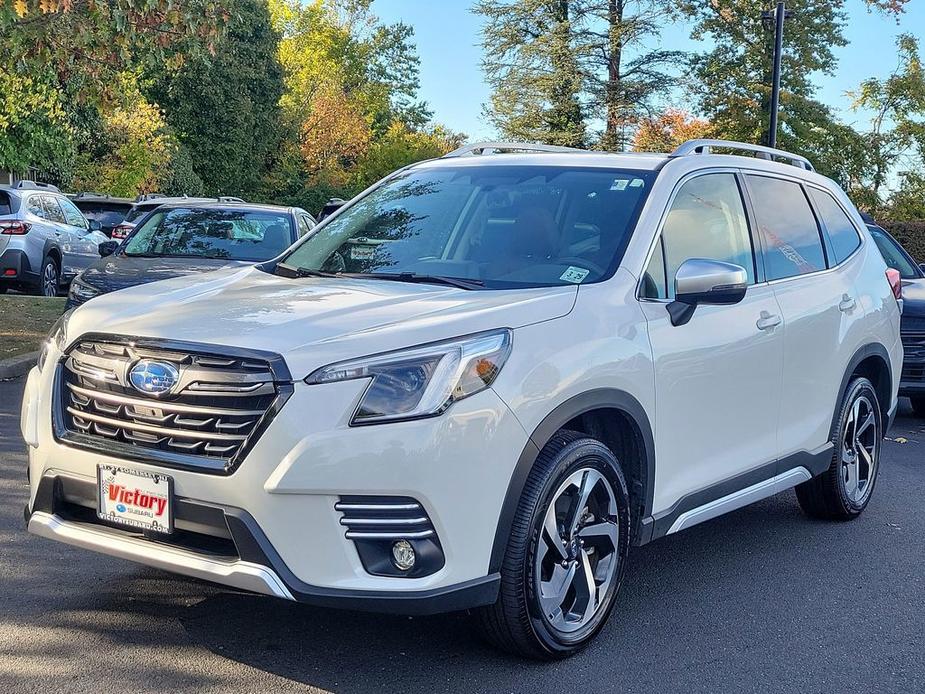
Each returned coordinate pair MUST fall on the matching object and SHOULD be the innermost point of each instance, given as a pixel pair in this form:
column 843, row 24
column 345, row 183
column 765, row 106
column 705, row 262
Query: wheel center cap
column 573, row 548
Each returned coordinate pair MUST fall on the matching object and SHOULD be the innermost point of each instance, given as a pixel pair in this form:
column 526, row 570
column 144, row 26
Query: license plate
column 141, row 500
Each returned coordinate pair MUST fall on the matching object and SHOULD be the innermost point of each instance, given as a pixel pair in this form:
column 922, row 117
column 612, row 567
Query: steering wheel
column 583, row 263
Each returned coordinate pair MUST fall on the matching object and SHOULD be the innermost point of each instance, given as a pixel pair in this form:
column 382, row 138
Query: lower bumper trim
column 238, row 574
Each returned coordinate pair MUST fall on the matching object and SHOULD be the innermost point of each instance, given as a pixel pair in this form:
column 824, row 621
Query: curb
column 18, row 365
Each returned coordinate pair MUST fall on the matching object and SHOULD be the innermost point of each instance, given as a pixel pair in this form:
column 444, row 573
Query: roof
column 181, row 203
column 604, row 160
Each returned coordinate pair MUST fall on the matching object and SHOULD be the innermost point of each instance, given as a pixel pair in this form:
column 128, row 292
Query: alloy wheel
column 50, row 280
column 578, row 553
column 860, row 450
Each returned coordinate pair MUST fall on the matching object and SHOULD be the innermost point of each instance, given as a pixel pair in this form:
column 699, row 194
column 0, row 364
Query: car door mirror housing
column 94, row 225
column 107, row 248
column 704, row 281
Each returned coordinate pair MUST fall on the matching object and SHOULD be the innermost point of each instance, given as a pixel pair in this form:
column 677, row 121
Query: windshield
column 210, row 233
column 503, row 226
column 894, row 255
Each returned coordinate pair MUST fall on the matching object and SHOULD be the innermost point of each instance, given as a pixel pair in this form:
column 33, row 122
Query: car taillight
column 15, row 228
column 120, row 231
column 896, row 285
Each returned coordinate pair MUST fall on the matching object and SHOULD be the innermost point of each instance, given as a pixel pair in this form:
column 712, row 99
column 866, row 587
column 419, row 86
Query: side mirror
column 94, row 225
column 703, row 281
column 107, row 248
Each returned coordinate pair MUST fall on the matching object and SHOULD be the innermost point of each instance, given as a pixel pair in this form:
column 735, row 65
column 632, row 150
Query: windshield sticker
column 576, row 275
column 362, row 252
column 619, row 184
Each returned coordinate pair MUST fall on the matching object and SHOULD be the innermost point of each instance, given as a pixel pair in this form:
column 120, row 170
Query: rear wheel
column 918, row 406
column 843, row 491
column 50, row 278
column 567, row 552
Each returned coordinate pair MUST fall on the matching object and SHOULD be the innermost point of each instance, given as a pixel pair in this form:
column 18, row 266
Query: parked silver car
column 44, row 239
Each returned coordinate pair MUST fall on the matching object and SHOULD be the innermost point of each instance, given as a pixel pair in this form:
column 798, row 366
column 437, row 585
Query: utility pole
column 778, row 16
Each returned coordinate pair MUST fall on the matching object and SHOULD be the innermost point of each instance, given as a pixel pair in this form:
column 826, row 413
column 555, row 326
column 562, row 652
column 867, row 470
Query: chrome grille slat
column 383, row 518
column 218, row 406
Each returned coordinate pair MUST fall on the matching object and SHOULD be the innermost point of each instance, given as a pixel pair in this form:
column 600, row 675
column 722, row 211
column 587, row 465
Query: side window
column 787, row 225
column 707, row 220
column 304, row 225
column 36, row 207
column 53, row 213
column 654, row 285
column 842, row 233
column 71, row 213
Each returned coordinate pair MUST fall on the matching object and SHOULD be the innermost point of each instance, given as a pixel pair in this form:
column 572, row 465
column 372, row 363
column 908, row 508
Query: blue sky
column 447, row 36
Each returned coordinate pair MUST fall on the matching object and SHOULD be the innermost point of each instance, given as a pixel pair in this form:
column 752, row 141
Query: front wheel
column 566, row 554
column 843, row 491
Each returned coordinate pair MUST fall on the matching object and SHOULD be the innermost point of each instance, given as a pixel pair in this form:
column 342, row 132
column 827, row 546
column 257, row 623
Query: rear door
column 717, row 378
column 84, row 243
column 64, row 234
column 811, row 275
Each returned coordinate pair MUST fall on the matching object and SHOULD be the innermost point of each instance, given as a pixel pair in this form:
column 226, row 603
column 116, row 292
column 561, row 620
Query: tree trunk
column 614, row 133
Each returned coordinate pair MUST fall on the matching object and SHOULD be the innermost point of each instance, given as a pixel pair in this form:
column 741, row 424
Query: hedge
column 910, row 234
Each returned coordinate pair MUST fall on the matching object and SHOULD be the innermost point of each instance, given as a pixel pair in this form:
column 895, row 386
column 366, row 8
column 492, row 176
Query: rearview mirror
column 703, row 281
column 107, row 248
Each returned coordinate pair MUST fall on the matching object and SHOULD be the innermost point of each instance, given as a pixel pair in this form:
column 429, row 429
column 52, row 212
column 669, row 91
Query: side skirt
column 741, row 490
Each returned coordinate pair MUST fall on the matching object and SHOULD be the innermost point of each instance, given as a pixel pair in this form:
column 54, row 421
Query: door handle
column 847, row 303
column 768, row 321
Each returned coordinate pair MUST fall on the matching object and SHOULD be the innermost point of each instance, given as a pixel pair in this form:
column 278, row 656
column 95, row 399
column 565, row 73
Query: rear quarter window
column 6, row 206
column 842, row 232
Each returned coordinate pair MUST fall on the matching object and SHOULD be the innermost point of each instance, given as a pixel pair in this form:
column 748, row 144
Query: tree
column 897, row 129
column 401, row 146
column 532, row 67
column 35, row 130
column 225, row 108
column 558, row 68
column 667, row 130
column 623, row 78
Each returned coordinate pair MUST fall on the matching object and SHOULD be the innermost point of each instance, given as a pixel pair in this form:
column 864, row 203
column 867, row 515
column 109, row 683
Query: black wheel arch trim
column 873, row 349
column 600, row 398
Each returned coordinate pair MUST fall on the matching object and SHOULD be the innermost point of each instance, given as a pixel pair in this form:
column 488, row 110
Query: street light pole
column 779, row 15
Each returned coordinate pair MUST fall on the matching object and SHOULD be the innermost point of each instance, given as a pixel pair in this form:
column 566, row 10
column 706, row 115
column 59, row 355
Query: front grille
column 383, row 518
column 216, row 410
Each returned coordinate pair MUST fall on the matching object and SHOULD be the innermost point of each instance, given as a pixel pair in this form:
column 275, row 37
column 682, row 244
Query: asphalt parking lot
column 763, row 600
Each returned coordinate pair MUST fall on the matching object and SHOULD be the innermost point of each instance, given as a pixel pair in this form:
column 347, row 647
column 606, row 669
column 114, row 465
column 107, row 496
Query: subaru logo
column 153, row 377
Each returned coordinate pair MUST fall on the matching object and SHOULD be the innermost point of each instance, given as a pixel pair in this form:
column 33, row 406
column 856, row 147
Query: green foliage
column 34, row 126
column 225, row 108
column 400, row 146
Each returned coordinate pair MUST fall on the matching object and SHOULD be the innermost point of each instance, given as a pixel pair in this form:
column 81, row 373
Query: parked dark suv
column 187, row 238
column 912, row 326
column 105, row 209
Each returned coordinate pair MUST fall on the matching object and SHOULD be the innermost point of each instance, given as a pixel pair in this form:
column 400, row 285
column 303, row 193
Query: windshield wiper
column 303, row 271
column 458, row 282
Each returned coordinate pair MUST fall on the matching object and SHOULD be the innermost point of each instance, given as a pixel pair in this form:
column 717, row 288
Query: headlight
column 57, row 338
column 81, row 291
column 422, row 381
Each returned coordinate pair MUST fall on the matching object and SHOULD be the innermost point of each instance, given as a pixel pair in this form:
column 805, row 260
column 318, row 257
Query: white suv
column 478, row 384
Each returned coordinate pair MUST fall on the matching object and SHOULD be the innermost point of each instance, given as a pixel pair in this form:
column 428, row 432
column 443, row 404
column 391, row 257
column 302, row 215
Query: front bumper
column 284, row 536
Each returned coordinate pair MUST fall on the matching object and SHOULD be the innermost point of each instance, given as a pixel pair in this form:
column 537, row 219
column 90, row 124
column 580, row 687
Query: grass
column 25, row 321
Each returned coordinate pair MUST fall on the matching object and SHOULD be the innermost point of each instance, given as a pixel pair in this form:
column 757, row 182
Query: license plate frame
column 147, row 485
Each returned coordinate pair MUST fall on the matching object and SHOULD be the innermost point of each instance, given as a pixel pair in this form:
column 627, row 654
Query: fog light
column 403, row 555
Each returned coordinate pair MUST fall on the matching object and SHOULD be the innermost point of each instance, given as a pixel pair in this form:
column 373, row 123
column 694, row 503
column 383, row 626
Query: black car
column 105, row 209
column 912, row 326
column 184, row 239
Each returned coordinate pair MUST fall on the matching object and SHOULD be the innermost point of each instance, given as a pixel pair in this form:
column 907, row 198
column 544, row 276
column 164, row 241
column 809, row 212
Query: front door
column 718, row 377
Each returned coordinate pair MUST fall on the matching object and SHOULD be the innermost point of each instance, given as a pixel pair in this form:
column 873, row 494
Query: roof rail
column 34, row 185
column 483, row 147
column 229, row 198
column 144, row 197
column 760, row 151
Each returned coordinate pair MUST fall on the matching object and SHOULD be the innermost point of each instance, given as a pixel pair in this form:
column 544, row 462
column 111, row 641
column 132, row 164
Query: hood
column 312, row 322
column 914, row 298
column 120, row 271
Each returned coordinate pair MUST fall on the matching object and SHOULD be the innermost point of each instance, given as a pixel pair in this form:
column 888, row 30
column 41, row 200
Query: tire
column 843, row 491
column 49, row 278
column 918, row 406
column 517, row 622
